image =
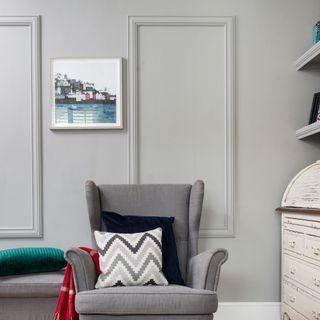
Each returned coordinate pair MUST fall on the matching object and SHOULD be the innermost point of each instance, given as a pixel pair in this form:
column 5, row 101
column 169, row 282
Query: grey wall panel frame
column 228, row 23
column 35, row 229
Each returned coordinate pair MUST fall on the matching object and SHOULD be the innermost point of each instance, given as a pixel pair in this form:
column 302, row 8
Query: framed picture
column 86, row 93
column 315, row 112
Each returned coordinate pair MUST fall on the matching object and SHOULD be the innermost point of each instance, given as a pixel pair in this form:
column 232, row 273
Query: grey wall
column 182, row 90
column 15, row 169
column 272, row 101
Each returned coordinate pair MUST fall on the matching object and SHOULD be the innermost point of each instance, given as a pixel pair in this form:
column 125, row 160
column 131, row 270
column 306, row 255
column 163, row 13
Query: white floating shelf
column 309, row 58
column 309, row 130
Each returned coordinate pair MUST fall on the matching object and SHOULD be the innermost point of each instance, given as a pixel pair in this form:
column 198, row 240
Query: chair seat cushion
column 172, row 299
column 37, row 285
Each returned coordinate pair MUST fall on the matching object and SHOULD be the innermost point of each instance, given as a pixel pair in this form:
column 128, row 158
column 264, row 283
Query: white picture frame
column 86, row 93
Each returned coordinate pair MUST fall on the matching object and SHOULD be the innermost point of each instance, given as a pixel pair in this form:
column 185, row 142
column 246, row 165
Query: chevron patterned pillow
column 130, row 259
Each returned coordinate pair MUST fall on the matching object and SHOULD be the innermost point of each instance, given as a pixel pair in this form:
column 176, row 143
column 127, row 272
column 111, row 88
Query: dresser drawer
column 291, row 221
column 312, row 249
column 300, row 301
column 293, row 241
column 305, row 274
column 290, row 314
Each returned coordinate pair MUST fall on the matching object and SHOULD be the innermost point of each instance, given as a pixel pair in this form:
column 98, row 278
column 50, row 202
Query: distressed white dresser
column 300, row 220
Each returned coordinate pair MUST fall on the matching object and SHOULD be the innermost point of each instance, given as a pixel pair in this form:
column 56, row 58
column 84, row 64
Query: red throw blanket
column 65, row 309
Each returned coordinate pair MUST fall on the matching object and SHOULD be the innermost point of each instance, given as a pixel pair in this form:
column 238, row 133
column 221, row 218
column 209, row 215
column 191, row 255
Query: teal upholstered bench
column 30, row 296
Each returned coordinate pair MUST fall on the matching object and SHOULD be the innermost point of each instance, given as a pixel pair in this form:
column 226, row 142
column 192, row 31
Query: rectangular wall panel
column 181, row 81
column 20, row 187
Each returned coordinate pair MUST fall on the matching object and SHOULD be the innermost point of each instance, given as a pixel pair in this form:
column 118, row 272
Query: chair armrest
column 84, row 273
column 204, row 269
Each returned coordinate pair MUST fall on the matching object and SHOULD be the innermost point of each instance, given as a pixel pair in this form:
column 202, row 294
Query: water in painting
column 85, row 114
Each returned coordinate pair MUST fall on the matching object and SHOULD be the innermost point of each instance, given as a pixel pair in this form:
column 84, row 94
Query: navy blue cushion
column 115, row 222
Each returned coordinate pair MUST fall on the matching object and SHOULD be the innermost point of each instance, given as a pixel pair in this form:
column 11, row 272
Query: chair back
column 182, row 201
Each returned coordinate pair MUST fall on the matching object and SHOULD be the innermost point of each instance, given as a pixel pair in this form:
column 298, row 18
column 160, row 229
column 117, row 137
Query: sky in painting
column 101, row 72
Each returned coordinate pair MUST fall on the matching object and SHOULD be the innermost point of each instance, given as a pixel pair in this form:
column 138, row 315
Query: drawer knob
column 316, row 281
column 292, row 244
column 292, row 298
column 293, row 270
column 316, row 250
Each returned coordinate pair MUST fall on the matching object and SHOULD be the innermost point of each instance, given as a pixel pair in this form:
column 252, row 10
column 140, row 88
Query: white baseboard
column 248, row 311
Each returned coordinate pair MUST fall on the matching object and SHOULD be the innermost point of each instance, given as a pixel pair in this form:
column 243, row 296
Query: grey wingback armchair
column 197, row 300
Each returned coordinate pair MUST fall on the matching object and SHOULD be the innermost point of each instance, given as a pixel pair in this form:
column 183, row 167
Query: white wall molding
column 248, row 311
column 228, row 23
column 33, row 24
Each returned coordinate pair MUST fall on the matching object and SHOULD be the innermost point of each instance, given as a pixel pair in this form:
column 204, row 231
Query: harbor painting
column 86, row 93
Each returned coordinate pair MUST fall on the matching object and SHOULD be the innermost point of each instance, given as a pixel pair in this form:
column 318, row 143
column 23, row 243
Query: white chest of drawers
column 300, row 256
